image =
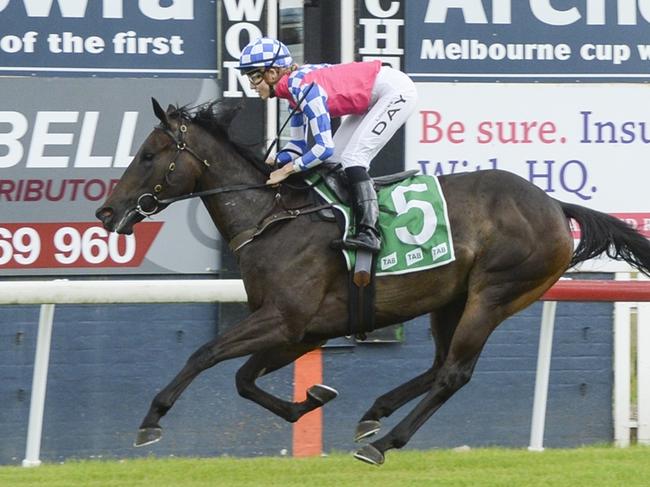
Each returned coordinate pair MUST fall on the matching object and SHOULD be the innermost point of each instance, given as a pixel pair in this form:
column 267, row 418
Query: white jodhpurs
column 361, row 137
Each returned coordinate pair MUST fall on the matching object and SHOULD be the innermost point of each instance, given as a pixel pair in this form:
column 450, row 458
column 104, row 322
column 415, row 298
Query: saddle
column 336, row 180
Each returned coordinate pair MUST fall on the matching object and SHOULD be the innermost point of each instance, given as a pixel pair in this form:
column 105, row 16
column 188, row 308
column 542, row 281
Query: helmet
column 264, row 53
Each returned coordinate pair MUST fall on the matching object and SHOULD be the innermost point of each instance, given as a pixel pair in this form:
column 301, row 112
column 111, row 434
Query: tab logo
column 439, row 251
column 414, row 256
column 389, row 261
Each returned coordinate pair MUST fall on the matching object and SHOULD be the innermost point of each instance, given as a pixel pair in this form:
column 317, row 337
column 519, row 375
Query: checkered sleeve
column 314, row 108
column 297, row 139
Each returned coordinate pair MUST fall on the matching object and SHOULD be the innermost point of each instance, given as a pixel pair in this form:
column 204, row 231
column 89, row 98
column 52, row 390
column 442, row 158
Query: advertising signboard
column 381, row 32
column 585, row 144
column 65, row 143
column 532, row 39
column 79, row 105
column 108, row 38
column 552, row 91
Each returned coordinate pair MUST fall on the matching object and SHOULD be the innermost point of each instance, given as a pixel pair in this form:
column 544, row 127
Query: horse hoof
column 147, row 436
column 321, row 394
column 366, row 428
column 370, row 454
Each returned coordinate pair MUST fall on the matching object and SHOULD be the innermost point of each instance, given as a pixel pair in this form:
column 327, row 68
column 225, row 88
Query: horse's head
column 169, row 163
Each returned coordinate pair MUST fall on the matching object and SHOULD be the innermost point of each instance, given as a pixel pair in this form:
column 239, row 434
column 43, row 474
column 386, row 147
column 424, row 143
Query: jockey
column 377, row 99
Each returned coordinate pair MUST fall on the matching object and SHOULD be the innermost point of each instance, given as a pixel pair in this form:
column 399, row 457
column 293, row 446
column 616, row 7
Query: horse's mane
column 215, row 117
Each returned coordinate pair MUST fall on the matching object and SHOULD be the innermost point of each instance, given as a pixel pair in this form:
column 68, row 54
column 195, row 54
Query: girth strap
column 248, row 235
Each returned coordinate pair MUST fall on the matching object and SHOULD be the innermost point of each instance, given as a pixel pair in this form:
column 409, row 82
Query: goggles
column 257, row 76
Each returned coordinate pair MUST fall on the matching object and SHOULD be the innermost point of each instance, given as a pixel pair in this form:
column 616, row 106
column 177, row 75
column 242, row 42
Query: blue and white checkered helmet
column 264, row 53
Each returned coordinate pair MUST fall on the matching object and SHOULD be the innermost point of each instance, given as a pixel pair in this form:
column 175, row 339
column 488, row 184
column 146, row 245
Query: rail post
column 643, row 373
column 39, row 386
column 542, row 377
column 622, row 370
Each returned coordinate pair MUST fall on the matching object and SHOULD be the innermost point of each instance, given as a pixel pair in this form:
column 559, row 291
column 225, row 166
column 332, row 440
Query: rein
column 208, row 192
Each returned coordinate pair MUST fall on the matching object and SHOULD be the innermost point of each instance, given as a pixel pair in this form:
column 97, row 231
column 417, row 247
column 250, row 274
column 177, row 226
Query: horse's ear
column 171, row 109
column 160, row 113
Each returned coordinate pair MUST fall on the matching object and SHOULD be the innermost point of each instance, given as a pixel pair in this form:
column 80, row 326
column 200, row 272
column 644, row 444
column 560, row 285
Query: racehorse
column 512, row 243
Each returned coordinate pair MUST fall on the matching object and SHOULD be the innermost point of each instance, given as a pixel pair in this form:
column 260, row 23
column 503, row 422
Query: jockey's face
column 262, row 80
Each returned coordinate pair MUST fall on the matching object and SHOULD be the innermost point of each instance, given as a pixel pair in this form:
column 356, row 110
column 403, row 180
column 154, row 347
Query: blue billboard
column 174, row 38
column 589, row 40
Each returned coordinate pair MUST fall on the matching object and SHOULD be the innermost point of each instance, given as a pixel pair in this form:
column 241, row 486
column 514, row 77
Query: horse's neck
column 235, row 211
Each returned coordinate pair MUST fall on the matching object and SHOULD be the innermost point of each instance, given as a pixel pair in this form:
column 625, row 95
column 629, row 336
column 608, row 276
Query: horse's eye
column 147, row 156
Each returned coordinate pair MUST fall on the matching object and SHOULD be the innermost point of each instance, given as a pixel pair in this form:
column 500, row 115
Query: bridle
column 244, row 237
column 181, row 145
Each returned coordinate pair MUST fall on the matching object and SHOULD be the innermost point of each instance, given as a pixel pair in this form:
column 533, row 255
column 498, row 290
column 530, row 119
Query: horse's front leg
column 267, row 361
column 260, row 331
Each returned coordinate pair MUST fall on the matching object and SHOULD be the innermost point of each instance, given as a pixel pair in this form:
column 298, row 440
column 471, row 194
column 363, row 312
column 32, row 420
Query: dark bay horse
column 512, row 243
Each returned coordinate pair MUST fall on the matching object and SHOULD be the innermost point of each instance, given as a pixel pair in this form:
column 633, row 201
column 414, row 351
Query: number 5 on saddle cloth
column 414, row 228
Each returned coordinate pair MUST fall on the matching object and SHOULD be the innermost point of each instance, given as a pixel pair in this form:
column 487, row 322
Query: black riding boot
column 366, row 212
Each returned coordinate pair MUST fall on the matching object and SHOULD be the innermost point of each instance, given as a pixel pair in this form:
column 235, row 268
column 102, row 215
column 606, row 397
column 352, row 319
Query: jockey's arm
column 314, row 108
column 297, row 144
column 316, row 114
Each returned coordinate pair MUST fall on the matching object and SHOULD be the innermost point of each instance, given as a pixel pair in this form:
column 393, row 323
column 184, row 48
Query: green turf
column 587, row 467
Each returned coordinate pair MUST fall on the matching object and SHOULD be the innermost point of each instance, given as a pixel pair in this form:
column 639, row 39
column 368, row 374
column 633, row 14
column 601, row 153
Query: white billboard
column 586, row 144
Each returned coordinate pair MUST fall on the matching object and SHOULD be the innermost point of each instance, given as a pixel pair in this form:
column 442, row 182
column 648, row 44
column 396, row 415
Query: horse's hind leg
column 443, row 325
column 267, row 361
column 476, row 325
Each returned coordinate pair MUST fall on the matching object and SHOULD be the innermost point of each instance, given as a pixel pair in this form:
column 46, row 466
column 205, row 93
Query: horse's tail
column 602, row 233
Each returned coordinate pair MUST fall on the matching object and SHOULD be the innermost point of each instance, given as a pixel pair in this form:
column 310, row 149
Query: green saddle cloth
column 413, row 222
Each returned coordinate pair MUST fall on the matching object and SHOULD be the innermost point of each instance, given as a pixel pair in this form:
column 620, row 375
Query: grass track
column 589, row 467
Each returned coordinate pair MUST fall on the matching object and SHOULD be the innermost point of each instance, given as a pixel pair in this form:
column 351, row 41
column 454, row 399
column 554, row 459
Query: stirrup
column 365, row 241
column 351, row 244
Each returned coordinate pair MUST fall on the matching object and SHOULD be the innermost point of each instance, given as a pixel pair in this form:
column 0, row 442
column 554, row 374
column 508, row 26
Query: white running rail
column 97, row 292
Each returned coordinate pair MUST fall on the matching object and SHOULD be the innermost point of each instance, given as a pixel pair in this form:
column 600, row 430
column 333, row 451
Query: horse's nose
column 105, row 215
